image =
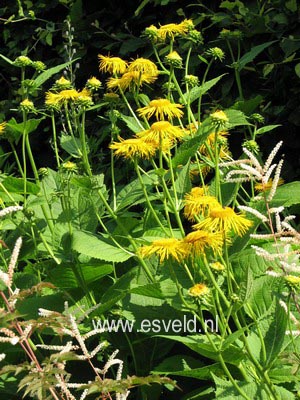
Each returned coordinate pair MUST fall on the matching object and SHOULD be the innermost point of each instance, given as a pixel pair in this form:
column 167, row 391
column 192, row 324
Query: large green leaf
column 18, row 129
column 283, row 195
column 255, row 51
column 44, row 76
column 201, row 345
column 65, row 278
column 132, row 123
column 97, row 247
column 183, row 365
column 16, row 185
column 190, row 146
column 226, row 391
column 275, row 334
column 198, row 91
column 71, row 145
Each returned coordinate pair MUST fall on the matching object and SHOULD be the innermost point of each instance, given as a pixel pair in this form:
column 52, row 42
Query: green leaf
column 187, row 366
column 150, row 290
column 44, row 76
column 190, row 146
column 248, row 106
column 236, row 118
column 283, row 195
column 255, row 51
column 265, row 129
column 64, row 276
column 183, row 181
column 297, row 69
column 226, row 391
column 198, row 91
column 18, row 129
column 201, row 345
column 275, row 335
column 132, row 123
column 268, row 68
column 71, row 145
column 96, row 247
column 16, row 185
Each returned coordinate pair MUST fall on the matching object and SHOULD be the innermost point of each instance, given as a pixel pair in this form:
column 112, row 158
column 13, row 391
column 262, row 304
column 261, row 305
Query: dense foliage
column 141, row 184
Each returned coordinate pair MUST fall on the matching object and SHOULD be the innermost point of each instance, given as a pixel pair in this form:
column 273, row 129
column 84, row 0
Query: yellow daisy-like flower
column 201, row 240
column 263, row 187
column 225, row 219
column 2, row 128
column 53, row 100
column 161, row 108
column 112, row 65
column 199, row 290
column 129, row 79
column 134, row 147
column 144, row 66
column 166, row 248
column 197, row 202
column 68, row 95
column 169, row 31
column 161, row 130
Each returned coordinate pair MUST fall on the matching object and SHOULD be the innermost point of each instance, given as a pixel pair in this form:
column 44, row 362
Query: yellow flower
column 144, row 66
column 217, row 266
column 84, row 98
column 68, row 94
column 166, row 248
column 27, row 105
column 161, row 108
column 201, row 240
column 52, row 100
column 93, row 83
column 2, row 128
column 112, row 65
column 169, row 31
column 263, row 187
column 161, row 130
column 129, row 79
column 69, row 166
column 210, row 141
column 197, row 202
column 225, row 219
column 134, row 147
column 199, row 290
column 63, row 83
column 292, row 281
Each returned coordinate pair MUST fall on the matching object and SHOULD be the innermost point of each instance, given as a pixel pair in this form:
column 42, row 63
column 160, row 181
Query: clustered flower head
column 128, row 75
column 27, row 106
column 174, row 59
column 199, row 290
column 171, row 31
column 216, row 53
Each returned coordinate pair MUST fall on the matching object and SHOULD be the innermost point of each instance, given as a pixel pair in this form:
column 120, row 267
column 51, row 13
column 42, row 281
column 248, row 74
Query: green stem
column 148, row 202
column 55, row 138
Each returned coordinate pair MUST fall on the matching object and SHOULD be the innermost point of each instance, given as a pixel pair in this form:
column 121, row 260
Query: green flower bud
column 22, row 61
